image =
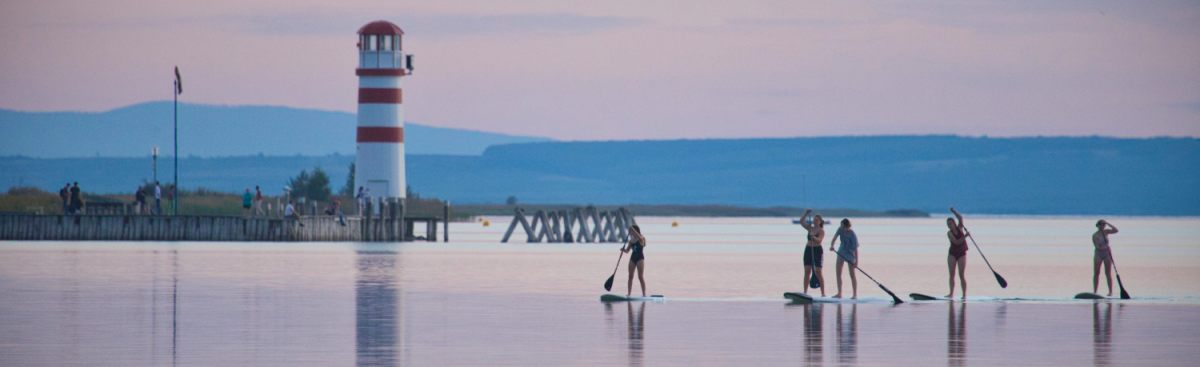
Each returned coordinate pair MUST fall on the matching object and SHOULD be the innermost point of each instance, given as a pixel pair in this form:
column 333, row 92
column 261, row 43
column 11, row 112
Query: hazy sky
column 640, row 69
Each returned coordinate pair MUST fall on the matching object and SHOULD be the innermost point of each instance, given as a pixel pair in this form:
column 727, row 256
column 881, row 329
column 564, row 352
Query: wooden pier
column 387, row 225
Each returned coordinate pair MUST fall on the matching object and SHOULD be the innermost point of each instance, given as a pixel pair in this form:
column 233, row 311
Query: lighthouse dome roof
column 381, row 27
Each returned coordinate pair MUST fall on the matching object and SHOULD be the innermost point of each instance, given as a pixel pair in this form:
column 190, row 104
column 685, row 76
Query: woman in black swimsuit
column 813, row 257
column 1103, row 254
column 637, row 260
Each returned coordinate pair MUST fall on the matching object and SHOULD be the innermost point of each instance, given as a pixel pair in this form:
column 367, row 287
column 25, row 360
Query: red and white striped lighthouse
column 382, row 63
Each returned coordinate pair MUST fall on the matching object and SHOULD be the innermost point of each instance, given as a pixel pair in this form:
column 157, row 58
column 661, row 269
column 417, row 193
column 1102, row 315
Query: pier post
column 393, row 231
column 400, row 222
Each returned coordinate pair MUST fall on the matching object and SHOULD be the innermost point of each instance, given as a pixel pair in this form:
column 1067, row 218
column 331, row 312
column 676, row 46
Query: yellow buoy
column 674, row 223
column 487, row 222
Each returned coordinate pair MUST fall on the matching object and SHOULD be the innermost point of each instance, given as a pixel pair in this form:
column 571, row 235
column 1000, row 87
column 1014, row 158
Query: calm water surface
column 477, row 302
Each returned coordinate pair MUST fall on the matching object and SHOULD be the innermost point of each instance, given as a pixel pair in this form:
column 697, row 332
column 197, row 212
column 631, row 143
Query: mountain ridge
column 229, row 130
column 1037, row 175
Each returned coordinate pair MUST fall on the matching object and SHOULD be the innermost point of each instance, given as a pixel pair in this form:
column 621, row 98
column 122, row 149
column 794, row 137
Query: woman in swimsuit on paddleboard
column 1103, row 255
column 847, row 254
column 637, row 260
column 958, row 252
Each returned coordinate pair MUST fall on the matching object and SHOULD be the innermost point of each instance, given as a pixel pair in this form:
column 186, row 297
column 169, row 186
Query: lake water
column 477, row 302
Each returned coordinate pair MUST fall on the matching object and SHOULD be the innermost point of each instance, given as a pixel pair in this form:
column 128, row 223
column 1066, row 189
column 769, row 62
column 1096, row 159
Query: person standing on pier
column 813, row 257
column 76, row 199
column 958, row 252
column 361, row 198
column 65, row 194
column 157, row 198
column 258, row 201
column 139, row 199
column 247, row 202
column 1103, row 254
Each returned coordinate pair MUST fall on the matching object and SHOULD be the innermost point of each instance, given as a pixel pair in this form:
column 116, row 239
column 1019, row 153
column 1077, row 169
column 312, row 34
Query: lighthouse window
column 372, row 44
column 386, row 43
column 398, row 42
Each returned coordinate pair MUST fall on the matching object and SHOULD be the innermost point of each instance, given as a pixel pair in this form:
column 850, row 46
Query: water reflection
column 956, row 334
column 847, row 335
column 156, row 357
column 1101, row 333
column 376, row 314
column 174, row 306
column 1001, row 316
column 813, row 341
column 637, row 324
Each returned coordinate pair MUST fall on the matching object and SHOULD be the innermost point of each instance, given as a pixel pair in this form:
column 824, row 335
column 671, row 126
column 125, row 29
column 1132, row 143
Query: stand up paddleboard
column 801, row 298
column 923, row 297
column 1089, row 295
column 609, row 297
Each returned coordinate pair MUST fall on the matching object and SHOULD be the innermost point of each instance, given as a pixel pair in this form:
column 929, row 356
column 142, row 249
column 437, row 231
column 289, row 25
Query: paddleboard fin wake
column 609, row 297
column 924, row 297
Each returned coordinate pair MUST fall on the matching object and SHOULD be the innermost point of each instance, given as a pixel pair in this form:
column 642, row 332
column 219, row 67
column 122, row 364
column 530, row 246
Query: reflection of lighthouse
column 381, row 63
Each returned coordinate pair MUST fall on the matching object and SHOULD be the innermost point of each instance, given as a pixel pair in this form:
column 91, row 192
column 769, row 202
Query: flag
column 178, row 82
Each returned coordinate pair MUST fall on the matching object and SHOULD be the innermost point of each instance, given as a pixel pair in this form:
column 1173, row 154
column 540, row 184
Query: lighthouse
column 379, row 165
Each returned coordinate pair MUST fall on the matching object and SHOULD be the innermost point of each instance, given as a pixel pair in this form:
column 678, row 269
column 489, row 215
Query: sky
column 601, row 70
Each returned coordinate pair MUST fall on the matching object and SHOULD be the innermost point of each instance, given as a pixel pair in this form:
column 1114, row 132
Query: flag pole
column 175, row 190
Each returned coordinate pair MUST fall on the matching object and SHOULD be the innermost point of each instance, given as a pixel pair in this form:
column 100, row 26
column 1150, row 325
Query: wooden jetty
column 387, row 224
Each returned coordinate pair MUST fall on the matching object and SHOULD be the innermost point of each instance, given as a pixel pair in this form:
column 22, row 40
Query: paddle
column 885, row 289
column 999, row 279
column 608, row 283
column 1124, row 294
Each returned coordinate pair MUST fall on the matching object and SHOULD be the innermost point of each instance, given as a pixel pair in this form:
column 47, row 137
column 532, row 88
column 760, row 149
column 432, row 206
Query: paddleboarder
column 958, row 252
column 847, row 253
column 812, row 250
column 637, row 260
column 1103, row 254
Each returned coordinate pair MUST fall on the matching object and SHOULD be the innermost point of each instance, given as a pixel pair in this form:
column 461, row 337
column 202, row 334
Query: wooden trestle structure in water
column 582, row 224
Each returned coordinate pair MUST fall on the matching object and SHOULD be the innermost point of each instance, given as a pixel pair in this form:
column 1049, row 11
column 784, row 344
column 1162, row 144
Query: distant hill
column 1067, row 176
column 213, row 131
column 1036, row 175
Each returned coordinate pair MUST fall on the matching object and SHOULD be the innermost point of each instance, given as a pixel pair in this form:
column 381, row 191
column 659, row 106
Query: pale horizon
column 630, row 70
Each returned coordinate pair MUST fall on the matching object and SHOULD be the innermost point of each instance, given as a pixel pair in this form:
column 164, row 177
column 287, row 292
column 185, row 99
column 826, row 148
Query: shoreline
column 695, row 211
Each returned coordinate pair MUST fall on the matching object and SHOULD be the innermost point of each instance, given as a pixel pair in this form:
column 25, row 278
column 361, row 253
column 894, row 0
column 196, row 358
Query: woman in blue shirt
column 847, row 253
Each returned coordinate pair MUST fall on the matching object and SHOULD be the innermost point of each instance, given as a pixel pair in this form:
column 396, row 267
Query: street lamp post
column 154, row 153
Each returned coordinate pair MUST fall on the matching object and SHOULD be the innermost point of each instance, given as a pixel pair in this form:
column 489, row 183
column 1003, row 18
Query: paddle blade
column 1000, row 279
column 608, row 283
column 1124, row 294
column 895, row 299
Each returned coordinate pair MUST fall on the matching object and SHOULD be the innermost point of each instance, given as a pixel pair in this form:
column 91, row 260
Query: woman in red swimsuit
column 958, row 252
